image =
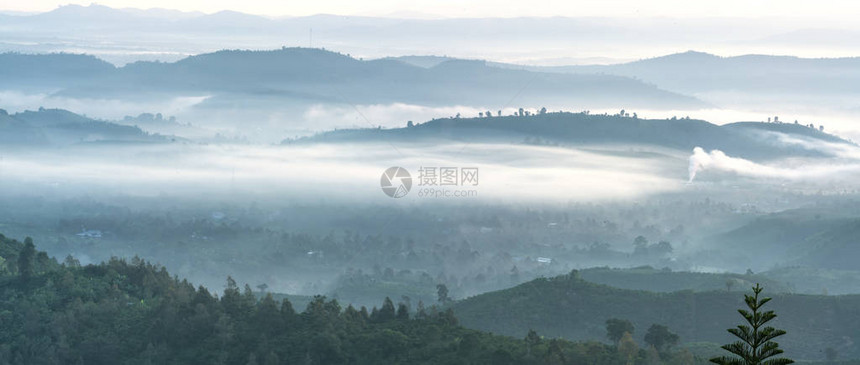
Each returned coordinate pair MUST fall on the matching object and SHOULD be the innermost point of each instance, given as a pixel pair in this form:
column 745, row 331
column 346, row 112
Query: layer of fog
column 351, row 172
column 607, row 179
column 341, row 172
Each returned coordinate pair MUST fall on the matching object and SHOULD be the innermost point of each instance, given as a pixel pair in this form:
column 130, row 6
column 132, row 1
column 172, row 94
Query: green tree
column 387, row 312
column 615, row 329
column 532, row 340
column 660, row 337
column 627, row 347
column 26, row 259
column 402, row 311
column 442, row 293
column 72, row 262
column 756, row 345
column 421, row 313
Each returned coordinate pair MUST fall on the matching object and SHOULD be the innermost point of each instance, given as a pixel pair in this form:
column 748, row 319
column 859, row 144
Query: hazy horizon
column 590, row 33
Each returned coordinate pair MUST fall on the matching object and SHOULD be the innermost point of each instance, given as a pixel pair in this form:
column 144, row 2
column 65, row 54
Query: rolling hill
column 564, row 128
column 570, row 307
column 818, row 238
column 59, row 127
column 666, row 281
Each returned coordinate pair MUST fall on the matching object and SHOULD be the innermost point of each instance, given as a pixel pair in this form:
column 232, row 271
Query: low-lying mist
column 349, row 172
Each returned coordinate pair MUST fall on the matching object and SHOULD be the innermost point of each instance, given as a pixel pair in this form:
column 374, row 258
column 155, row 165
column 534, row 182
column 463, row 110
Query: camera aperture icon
column 396, row 182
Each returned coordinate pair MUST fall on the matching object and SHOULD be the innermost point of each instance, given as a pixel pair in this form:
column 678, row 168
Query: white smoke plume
column 717, row 160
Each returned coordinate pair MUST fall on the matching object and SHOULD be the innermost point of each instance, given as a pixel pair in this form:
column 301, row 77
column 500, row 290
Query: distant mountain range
column 127, row 35
column 695, row 73
column 753, row 140
column 314, row 75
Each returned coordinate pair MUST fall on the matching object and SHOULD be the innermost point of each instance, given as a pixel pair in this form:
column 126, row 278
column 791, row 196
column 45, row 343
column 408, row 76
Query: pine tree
column 755, row 346
column 26, row 259
column 387, row 312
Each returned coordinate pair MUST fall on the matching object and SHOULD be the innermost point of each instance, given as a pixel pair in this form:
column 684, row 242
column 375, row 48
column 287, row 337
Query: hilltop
column 565, row 128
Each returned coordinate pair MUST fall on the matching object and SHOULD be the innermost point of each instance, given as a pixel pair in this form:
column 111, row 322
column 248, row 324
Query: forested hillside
column 133, row 312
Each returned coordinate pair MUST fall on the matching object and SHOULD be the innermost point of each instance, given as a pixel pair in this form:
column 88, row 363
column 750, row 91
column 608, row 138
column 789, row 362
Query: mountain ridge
column 325, row 75
column 567, row 128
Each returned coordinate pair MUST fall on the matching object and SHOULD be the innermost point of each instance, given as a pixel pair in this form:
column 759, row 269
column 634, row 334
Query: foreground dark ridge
column 136, row 313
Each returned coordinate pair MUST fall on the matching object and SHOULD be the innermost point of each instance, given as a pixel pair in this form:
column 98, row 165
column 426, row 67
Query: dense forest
column 133, row 312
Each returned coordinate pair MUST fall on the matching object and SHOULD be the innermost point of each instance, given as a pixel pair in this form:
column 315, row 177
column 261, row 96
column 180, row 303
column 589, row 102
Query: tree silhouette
column 755, row 346
column 442, row 293
column 616, row 328
column 387, row 312
column 729, row 284
column 532, row 340
column 660, row 337
column 26, row 259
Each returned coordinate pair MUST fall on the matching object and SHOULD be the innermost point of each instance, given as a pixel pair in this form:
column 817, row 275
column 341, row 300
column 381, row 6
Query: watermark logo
column 396, row 182
column 435, row 182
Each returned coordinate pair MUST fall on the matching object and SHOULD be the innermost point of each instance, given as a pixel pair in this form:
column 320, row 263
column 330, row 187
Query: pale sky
column 835, row 10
